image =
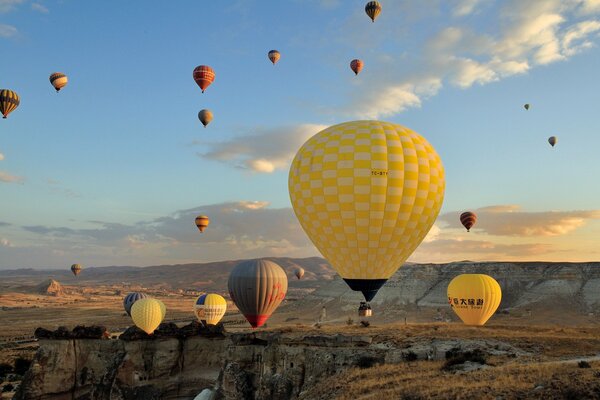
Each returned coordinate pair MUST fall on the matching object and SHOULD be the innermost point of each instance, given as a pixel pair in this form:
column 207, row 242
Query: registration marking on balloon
column 366, row 193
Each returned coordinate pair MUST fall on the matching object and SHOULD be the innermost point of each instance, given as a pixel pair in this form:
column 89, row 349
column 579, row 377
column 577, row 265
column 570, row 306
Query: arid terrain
column 548, row 318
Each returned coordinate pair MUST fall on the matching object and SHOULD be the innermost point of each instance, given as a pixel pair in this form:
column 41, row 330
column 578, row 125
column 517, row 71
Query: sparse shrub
column 366, row 324
column 584, row 364
column 410, row 356
column 455, row 357
column 21, row 366
column 366, row 362
column 349, row 321
column 5, row 369
column 7, row 388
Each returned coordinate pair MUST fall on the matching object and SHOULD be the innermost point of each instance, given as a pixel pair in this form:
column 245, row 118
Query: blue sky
column 113, row 168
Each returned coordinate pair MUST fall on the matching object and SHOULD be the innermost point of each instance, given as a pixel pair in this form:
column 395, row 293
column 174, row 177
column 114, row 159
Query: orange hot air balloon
column 58, row 80
column 274, row 56
column 356, row 65
column 468, row 219
column 202, row 222
column 205, row 116
column 204, row 76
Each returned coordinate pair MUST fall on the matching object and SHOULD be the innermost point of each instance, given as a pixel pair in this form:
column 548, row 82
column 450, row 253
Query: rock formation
column 50, row 287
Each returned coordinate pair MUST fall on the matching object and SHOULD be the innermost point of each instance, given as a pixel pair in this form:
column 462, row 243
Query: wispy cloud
column 9, row 5
column 6, row 243
column 1, row 156
column 509, row 220
column 39, row 8
column 8, row 178
column 266, row 150
column 465, row 7
column 8, row 31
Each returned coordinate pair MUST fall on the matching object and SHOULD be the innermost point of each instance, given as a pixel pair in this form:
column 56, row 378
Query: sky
column 114, row 168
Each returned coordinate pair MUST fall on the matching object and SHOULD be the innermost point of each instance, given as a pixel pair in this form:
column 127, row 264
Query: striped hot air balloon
column 274, row 56
column 204, row 76
column 132, row 298
column 202, row 222
column 356, row 65
column 373, row 9
column 76, row 269
column 58, row 80
column 468, row 219
column 9, row 100
column 474, row 297
column 210, row 308
column 257, row 287
column 205, row 116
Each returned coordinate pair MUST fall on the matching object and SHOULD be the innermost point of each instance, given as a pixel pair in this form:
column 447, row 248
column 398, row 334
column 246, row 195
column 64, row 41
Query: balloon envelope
column 373, row 9
column 132, row 298
column 210, row 308
column 147, row 314
column 205, row 116
column 366, row 194
column 76, row 269
column 204, row 76
column 474, row 297
column 202, row 222
column 356, row 65
column 274, row 56
column 552, row 140
column 9, row 100
column 257, row 287
column 59, row 80
column 468, row 219
column 526, row 106
column 299, row 272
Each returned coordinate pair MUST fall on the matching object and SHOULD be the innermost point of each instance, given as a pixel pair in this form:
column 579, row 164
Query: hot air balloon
column 204, row 76
column 210, row 308
column 132, row 298
column 9, row 100
column 58, row 80
column 274, row 56
column 552, row 140
column 468, row 219
column 202, row 222
column 205, row 116
column 474, row 297
column 299, row 272
column 76, row 269
column 163, row 308
column 257, row 287
column 356, row 65
column 373, row 8
column 366, row 194
column 526, row 106
column 147, row 314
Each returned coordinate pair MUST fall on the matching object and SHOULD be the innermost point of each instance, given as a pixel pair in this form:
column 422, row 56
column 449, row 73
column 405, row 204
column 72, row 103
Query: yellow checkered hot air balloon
column 210, row 308
column 366, row 193
column 474, row 297
column 147, row 314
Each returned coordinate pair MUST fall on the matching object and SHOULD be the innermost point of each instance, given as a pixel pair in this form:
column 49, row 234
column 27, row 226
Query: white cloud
column 7, row 31
column 465, row 7
column 39, row 8
column 9, row 5
column 1, row 156
column 266, row 150
column 433, row 234
column 8, row 178
column 6, row 243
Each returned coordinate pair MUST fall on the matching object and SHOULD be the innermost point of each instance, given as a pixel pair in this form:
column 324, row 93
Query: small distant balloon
column 526, row 106
column 76, row 269
column 58, row 80
column 274, row 56
column 202, row 222
column 9, row 100
column 373, row 9
column 204, row 76
column 552, row 140
column 299, row 272
column 468, row 219
column 205, row 116
column 356, row 65
column 147, row 314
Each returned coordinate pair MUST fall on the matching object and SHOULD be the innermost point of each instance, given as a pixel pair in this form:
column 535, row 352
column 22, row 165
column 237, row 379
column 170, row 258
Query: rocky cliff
column 262, row 365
